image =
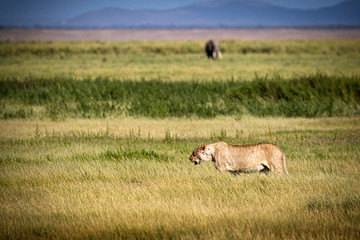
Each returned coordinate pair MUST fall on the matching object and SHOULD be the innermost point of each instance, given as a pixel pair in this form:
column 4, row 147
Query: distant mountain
column 219, row 13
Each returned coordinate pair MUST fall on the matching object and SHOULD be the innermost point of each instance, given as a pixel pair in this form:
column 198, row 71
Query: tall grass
column 101, row 176
column 101, row 186
column 309, row 96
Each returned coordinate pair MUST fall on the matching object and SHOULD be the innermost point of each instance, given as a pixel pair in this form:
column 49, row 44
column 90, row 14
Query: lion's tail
column 284, row 164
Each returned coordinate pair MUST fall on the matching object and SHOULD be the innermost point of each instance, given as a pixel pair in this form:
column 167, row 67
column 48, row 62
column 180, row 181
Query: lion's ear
column 203, row 147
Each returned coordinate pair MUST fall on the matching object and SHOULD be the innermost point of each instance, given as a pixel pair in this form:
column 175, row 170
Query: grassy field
column 60, row 98
column 178, row 60
column 95, row 139
column 112, row 179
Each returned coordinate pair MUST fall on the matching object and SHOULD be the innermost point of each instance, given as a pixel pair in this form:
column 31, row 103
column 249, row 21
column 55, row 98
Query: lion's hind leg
column 262, row 168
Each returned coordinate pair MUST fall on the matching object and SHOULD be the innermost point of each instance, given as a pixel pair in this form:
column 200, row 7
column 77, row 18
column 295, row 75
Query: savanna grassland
column 95, row 138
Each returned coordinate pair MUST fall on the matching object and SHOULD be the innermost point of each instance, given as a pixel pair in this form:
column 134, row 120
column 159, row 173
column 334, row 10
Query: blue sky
column 55, row 9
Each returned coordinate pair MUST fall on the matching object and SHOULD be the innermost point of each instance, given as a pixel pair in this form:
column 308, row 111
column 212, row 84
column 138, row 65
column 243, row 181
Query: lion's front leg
column 221, row 167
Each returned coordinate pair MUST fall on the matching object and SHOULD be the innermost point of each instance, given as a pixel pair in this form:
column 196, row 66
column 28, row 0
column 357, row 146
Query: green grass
column 178, row 60
column 60, row 98
column 101, row 186
column 303, row 46
column 95, row 139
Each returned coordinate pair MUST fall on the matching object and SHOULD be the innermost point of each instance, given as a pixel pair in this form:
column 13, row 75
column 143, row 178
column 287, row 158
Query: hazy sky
column 61, row 9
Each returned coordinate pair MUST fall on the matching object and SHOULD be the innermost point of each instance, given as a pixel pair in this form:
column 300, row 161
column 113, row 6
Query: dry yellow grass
column 95, row 179
column 176, row 127
column 130, row 178
column 177, row 68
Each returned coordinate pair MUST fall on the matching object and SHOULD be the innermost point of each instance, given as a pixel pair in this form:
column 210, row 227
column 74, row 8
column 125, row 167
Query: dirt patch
column 185, row 34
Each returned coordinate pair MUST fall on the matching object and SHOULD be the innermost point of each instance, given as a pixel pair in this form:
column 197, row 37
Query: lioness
column 262, row 157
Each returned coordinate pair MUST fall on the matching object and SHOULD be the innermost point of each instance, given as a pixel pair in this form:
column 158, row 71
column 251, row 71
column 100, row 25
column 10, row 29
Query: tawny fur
column 241, row 158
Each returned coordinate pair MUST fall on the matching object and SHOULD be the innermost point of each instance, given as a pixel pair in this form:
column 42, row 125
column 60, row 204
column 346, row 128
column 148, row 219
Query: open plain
column 179, row 34
column 95, row 135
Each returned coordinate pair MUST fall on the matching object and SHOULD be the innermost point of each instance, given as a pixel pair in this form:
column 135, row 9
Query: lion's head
column 199, row 155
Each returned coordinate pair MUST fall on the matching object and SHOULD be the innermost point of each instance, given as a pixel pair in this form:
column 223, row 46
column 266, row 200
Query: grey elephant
column 212, row 49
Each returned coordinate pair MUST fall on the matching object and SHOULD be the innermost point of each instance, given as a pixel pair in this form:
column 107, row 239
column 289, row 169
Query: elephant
column 212, row 49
